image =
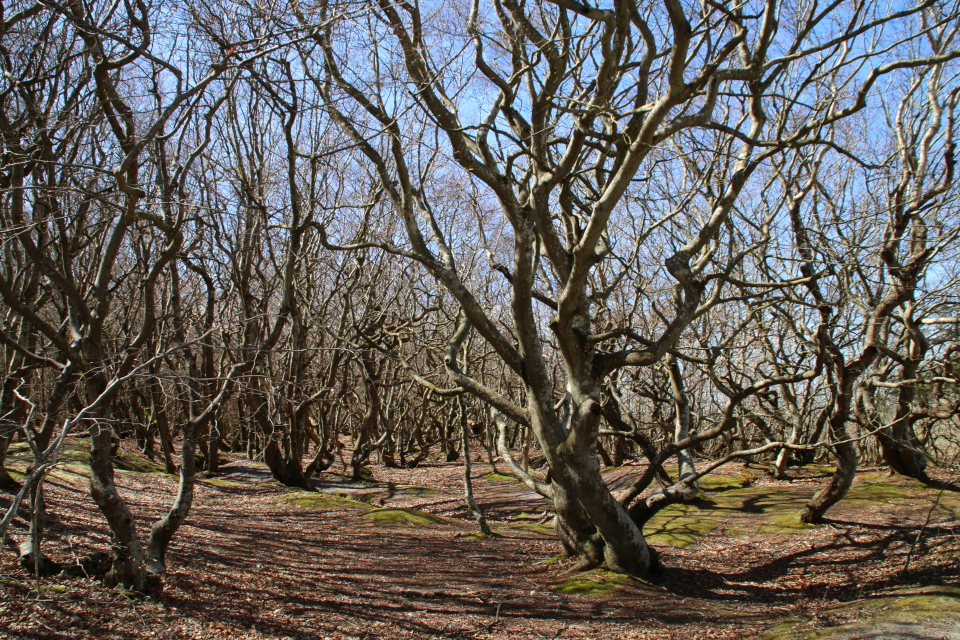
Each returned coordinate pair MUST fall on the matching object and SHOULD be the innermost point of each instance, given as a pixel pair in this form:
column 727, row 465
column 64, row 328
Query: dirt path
column 252, row 563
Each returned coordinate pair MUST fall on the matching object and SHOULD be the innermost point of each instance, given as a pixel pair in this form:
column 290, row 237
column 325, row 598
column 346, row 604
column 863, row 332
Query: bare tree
column 567, row 114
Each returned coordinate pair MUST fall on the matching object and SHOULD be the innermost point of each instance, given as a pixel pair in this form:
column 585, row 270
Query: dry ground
column 397, row 559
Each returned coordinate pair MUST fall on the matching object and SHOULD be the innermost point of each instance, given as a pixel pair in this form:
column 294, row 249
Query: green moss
column 414, row 489
column 216, row 482
column 75, row 457
column 72, row 472
column 949, row 505
column 779, row 507
column 391, row 486
column 784, row 630
column 476, row 535
column 596, row 583
column 682, row 524
column 366, row 498
column 535, row 527
column 868, row 491
column 786, row 522
column 726, row 483
column 679, row 526
column 500, row 477
column 819, row 469
column 932, row 609
column 405, row 517
column 53, row 589
column 14, row 585
column 323, row 501
column 527, row 516
column 136, row 463
column 74, row 450
column 930, row 603
column 756, row 500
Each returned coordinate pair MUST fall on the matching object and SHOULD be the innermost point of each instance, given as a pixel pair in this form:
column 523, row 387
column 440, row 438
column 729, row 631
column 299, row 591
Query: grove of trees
column 566, row 235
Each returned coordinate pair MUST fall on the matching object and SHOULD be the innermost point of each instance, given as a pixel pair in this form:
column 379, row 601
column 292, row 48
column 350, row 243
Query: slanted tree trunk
column 843, row 448
column 164, row 529
column 129, row 562
column 32, row 557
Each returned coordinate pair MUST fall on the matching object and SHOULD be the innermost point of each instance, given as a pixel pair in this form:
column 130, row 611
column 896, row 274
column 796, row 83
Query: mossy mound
column 678, row 525
column 785, row 522
column 597, row 583
column 779, row 508
column 217, row 482
column 14, row 587
column 72, row 472
column 717, row 482
column 392, row 487
column 494, row 476
column 872, row 488
column 404, row 517
column 535, row 527
column 725, row 483
column 476, row 535
column 74, row 450
column 948, row 505
column 17, row 474
column 921, row 614
column 75, row 460
column 323, row 501
column 136, row 463
column 818, row 469
column 411, row 488
column 551, row 560
column 56, row 588
column 774, row 510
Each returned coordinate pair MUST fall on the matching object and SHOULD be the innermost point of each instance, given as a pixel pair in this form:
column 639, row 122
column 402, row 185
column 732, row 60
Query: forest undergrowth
column 399, row 556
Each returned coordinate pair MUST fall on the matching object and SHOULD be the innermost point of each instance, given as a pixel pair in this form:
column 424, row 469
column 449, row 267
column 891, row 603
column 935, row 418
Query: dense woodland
column 543, row 234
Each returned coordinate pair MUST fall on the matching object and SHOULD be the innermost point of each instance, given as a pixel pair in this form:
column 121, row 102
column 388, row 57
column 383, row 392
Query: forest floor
column 399, row 557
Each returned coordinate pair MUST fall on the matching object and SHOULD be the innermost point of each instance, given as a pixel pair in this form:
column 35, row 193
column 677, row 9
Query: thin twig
column 916, row 541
